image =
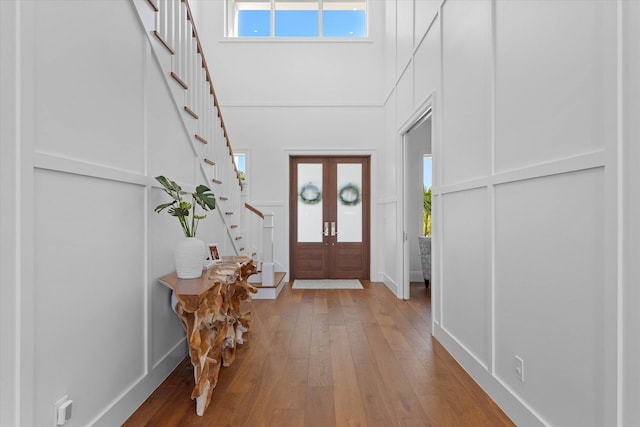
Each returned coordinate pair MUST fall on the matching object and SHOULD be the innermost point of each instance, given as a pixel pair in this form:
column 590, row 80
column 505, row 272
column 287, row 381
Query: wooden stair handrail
column 254, row 210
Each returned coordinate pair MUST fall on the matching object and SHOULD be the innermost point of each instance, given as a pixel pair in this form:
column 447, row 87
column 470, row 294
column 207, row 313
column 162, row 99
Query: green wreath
column 310, row 194
column 349, row 195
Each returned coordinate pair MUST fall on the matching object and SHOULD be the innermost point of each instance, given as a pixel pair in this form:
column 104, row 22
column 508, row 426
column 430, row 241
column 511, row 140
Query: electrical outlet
column 518, row 367
column 63, row 411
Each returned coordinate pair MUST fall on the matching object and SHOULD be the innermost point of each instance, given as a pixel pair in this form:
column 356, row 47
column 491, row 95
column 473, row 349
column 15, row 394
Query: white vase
column 189, row 255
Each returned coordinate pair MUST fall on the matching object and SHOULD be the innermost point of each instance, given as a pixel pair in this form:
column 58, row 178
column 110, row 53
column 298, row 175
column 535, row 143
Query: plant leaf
column 204, row 197
column 161, row 207
column 170, row 187
column 178, row 211
column 163, row 181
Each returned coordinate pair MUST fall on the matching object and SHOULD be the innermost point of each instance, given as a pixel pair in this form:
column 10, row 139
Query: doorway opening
column 329, row 211
column 417, row 184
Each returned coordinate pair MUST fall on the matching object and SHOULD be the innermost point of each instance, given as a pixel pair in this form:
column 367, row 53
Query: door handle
column 326, row 229
column 333, row 228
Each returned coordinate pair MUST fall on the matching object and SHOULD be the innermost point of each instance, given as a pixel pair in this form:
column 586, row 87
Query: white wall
column 293, row 72
column 83, row 314
column 530, row 201
column 411, row 78
column 286, row 97
column 543, row 218
column 272, row 134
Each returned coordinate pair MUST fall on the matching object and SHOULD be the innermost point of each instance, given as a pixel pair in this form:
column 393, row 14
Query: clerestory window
column 296, row 18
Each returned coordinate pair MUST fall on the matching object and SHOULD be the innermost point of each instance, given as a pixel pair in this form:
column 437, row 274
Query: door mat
column 327, row 284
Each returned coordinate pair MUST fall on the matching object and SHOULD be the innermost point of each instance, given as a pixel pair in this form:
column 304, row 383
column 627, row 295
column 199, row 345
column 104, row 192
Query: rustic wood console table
column 209, row 307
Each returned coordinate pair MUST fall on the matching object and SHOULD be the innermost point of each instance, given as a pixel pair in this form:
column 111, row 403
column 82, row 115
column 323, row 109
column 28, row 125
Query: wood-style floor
column 332, row 358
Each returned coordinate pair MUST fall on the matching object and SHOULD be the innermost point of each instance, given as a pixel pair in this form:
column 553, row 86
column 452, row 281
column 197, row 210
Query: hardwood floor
column 332, row 358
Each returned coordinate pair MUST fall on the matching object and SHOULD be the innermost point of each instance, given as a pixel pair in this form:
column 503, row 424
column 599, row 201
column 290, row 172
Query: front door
column 329, row 204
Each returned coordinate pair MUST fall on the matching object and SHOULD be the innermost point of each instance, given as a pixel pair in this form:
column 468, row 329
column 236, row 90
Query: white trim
column 491, row 201
column 576, row 163
column 477, row 360
column 416, row 276
column 419, row 115
column 505, row 397
column 297, row 104
column 389, row 283
column 272, row 28
column 147, row 332
column 387, row 201
column 620, row 230
column 121, row 408
column 373, row 213
column 281, row 39
column 274, row 203
column 403, row 253
column 80, row 167
column 272, row 292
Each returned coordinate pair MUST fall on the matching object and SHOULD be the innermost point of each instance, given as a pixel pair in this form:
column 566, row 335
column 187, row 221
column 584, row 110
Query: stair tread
column 279, row 276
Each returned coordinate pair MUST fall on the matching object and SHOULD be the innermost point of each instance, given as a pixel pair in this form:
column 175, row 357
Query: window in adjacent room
column 296, row 18
column 426, row 194
column 241, row 164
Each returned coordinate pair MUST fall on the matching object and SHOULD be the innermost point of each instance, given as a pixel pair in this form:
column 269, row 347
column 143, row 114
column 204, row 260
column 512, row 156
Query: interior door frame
column 421, row 114
column 374, row 239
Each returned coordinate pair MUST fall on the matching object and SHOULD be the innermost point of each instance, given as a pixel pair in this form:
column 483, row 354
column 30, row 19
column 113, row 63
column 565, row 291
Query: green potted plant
column 190, row 252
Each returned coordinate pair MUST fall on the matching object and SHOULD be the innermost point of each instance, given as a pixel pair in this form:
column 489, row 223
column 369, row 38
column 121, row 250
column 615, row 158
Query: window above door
column 308, row 19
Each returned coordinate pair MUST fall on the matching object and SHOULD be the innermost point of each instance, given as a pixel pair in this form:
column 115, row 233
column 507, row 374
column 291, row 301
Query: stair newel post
column 267, row 251
column 259, row 237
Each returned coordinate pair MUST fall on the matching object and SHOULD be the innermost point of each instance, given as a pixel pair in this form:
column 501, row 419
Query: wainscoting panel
column 467, row 91
column 89, row 299
column 466, row 269
column 90, row 95
column 549, row 298
column 571, row 99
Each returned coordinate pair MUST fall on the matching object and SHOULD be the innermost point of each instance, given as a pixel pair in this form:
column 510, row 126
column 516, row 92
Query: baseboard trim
column 389, row 283
column 127, row 403
column 516, row 409
column 416, row 276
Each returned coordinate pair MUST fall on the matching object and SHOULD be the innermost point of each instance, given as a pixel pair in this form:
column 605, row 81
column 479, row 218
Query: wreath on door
column 310, row 194
column 349, row 195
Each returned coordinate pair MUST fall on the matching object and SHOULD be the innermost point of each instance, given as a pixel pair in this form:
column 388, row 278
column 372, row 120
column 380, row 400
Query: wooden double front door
column 329, row 210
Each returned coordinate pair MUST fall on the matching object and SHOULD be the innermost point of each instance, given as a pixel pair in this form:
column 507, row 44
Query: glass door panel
column 349, row 203
column 310, row 227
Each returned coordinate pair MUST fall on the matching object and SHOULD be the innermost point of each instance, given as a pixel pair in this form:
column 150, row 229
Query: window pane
column 349, row 208
column 296, row 18
column 344, row 23
column 344, row 18
column 310, row 202
column 241, row 164
column 253, row 18
column 254, row 23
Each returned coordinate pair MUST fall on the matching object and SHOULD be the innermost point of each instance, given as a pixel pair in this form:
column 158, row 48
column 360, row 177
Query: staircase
column 173, row 36
column 268, row 281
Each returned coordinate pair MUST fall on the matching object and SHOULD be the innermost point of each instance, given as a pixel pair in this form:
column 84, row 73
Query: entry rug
column 327, row 284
